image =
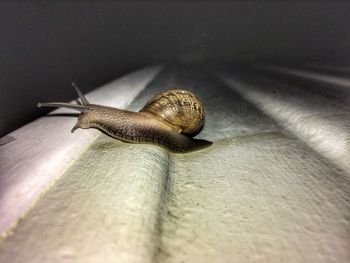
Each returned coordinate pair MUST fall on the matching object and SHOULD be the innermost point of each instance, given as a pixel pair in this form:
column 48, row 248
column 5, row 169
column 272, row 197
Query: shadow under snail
column 169, row 120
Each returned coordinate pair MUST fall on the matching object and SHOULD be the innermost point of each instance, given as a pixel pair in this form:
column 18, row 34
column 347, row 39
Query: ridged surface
column 322, row 122
column 34, row 156
column 260, row 193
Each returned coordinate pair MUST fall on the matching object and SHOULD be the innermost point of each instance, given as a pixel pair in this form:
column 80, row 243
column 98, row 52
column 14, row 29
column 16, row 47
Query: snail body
column 169, row 120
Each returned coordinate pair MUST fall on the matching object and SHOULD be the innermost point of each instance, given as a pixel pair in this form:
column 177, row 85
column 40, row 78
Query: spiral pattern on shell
column 181, row 109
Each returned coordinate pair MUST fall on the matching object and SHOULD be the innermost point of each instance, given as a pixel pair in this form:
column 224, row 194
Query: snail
column 170, row 120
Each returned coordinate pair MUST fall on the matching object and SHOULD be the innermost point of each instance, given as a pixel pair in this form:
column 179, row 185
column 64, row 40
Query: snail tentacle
column 77, row 107
column 83, row 99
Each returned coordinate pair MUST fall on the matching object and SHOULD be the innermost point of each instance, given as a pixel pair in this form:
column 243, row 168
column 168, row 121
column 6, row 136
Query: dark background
column 46, row 46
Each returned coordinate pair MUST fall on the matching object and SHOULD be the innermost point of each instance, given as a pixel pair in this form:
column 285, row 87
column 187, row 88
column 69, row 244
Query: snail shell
column 181, row 109
column 169, row 120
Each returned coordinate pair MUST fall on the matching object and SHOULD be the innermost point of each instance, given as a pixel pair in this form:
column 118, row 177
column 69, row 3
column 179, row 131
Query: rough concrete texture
column 259, row 194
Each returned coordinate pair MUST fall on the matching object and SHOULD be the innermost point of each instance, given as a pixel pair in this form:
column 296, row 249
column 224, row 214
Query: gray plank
column 38, row 153
column 257, row 195
column 322, row 122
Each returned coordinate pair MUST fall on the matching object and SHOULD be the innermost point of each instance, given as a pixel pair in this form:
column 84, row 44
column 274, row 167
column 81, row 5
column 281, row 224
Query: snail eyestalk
column 84, row 101
column 77, row 107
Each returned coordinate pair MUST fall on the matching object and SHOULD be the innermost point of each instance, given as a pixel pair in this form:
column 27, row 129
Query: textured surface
column 259, row 194
column 322, row 122
column 36, row 154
